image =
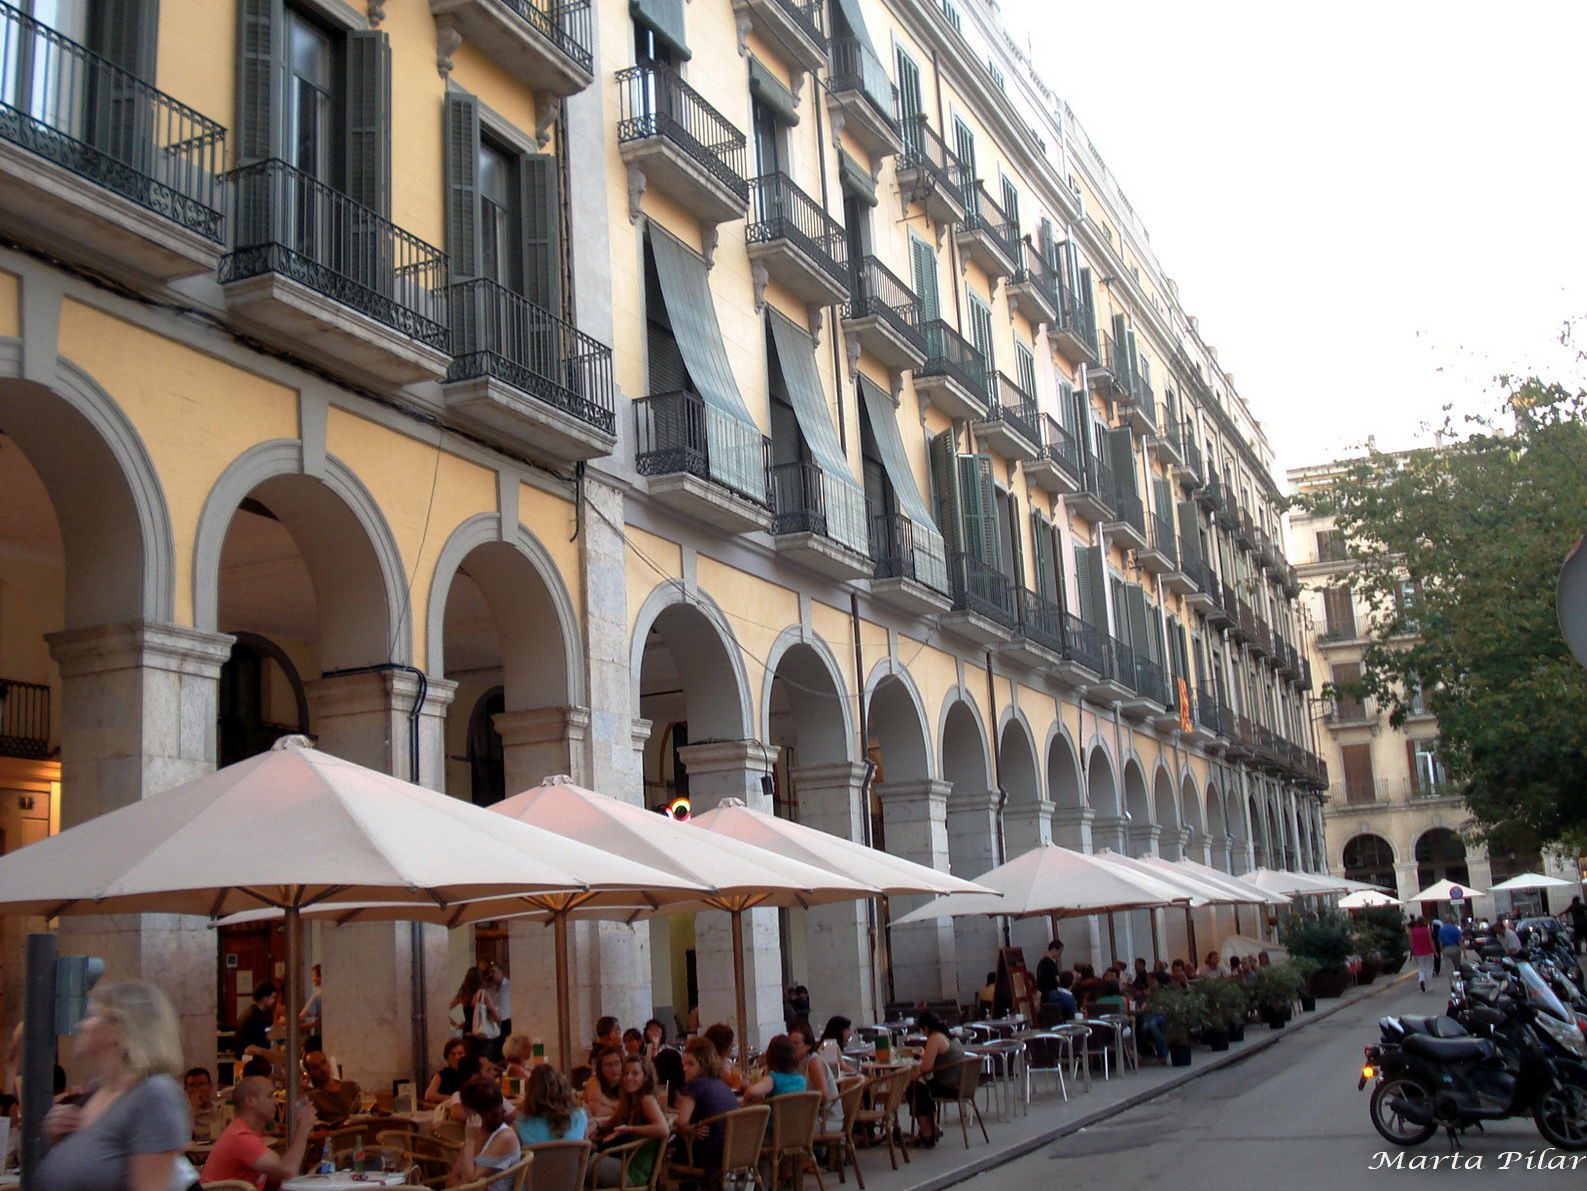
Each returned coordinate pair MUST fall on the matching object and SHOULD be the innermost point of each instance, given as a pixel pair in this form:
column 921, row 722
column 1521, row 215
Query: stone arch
column 707, row 654
column 1190, row 808
column 813, row 686
column 338, row 529
column 1137, row 808
column 1026, row 821
column 119, row 550
column 526, row 595
column 1258, row 827
column 1369, row 857
column 1440, row 855
column 896, row 724
column 1102, row 791
column 1165, row 809
column 1063, row 770
column 965, row 761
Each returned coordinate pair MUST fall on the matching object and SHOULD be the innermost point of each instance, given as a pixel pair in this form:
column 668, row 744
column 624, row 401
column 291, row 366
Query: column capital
column 541, row 725
column 926, row 791
column 1073, row 814
column 728, row 756
column 973, row 800
column 138, row 644
column 844, row 774
column 358, row 691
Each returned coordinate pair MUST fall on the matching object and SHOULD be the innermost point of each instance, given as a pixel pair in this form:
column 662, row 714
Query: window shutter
column 1011, row 206
column 665, row 19
column 978, row 509
column 1339, row 611
column 964, row 146
column 542, row 265
column 1026, row 360
column 1140, row 629
column 368, row 171
column 1163, row 500
column 1189, row 532
column 127, row 33
column 909, row 103
column 945, row 479
column 1410, row 762
column 1121, row 454
column 1347, row 706
column 1121, row 348
column 259, row 84
column 981, row 332
column 923, row 262
column 1092, row 577
column 462, row 185
column 1041, row 555
column 1357, row 759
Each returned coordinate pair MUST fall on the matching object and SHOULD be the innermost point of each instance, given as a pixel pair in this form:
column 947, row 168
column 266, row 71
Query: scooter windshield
column 1540, row 994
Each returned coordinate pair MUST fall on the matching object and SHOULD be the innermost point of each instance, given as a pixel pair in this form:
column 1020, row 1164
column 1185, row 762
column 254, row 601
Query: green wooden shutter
column 1026, row 362
column 981, row 332
column 1011, row 206
column 542, row 260
column 1140, row 633
column 1121, row 454
column 923, row 264
column 260, row 30
column 1086, row 298
column 1189, row 532
column 1163, row 500
column 964, row 146
column 1070, row 413
column 1091, row 574
column 665, row 19
column 945, row 479
column 126, row 32
column 461, row 135
column 1120, row 363
column 978, row 508
column 1042, row 558
column 368, row 173
column 909, row 101
column 1049, row 250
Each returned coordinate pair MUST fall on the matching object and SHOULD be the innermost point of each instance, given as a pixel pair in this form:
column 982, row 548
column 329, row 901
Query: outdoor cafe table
column 344, row 1180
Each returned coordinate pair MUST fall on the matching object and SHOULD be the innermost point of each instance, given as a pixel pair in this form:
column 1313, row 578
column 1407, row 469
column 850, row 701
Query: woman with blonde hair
column 129, row 1134
column 638, row 1114
column 550, row 1111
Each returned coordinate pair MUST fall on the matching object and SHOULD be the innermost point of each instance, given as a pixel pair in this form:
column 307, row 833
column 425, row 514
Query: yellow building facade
column 763, row 399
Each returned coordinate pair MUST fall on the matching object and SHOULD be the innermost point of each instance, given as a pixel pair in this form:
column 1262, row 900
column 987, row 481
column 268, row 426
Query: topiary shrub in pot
column 1325, row 938
column 1381, row 932
column 1277, row 986
column 1306, row 970
column 1227, row 1005
column 1183, row 1013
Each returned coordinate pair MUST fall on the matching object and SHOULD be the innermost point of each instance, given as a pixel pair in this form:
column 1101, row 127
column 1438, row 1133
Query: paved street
column 1291, row 1111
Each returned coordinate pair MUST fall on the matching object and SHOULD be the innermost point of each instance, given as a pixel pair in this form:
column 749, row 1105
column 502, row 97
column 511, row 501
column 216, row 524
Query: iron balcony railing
column 1211, row 493
column 67, row 105
column 291, row 223
column 1060, row 446
column 1162, row 537
column 1127, row 507
column 1075, row 317
column 1207, row 711
column 1197, row 571
column 779, row 210
column 498, row 333
column 985, row 214
column 1035, row 271
column 1231, row 603
column 1098, row 479
column 24, row 719
column 1116, row 359
column 679, row 432
column 900, row 552
column 1188, row 449
column 1142, row 394
column 657, row 103
column 1151, row 680
column 983, row 589
column 808, row 499
column 566, row 26
column 924, row 150
column 1041, row 620
column 1085, row 644
column 1108, row 354
column 1016, row 408
column 950, row 354
column 1122, row 665
column 876, row 291
column 807, row 14
column 855, row 67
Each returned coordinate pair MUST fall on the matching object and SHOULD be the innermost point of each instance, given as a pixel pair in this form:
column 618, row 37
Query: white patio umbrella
column 1441, row 891
column 1199, row 892
column 293, row 828
column 1532, row 881
column 1364, row 899
column 1256, row 894
column 1297, row 884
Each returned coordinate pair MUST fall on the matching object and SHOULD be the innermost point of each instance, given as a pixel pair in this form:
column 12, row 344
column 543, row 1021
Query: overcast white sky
column 1373, row 208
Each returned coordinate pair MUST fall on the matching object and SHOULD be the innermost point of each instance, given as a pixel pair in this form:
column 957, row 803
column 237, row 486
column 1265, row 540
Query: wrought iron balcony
column 505, row 348
column 1128, row 525
column 1085, row 645
column 806, row 500
column 1190, row 473
column 1151, row 681
column 796, row 242
column 795, row 27
column 544, row 43
column 1207, row 709
column 1034, row 287
column 858, row 88
column 988, row 234
column 24, row 719
column 1075, row 330
column 306, row 255
column 884, row 315
column 982, row 590
column 681, row 144
column 1094, row 498
column 682, row 438
column 1210, row 494
column 1206, row 596
column 1160, row 555
column 898, row 552
column 953, row 376
column 930, row 174
column 100, row 164
column 1041, row 621
column 1056, row 469
column 1010, row 423
column 1103, row 376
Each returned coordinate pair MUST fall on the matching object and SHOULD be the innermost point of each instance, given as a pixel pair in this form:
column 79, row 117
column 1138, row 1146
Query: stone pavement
column 1050, row 1117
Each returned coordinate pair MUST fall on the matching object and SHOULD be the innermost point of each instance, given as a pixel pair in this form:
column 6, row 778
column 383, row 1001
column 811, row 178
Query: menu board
column 1016, row 987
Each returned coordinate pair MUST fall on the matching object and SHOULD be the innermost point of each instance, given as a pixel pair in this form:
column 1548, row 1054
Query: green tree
column 1455, row 551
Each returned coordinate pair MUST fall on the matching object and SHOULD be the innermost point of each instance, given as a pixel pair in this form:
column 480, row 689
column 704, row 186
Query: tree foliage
column 1478, row 527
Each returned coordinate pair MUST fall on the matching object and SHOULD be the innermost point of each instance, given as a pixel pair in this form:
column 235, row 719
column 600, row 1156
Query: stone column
column 1071, row 827
column 542, row 742
column 138, row 712
column 1407, row 883
column 1027, row 825
column 915, row 826
column 1110, row 832
column 839, row 938
column 973, row 846
column 378, row 975
column 735, row 769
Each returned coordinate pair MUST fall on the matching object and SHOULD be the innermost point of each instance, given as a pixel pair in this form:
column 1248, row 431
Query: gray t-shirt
column 151, row 1117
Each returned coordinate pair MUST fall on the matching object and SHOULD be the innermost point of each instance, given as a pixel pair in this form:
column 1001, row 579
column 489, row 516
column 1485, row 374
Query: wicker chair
column 969, row 1072
column 887, row 1097
column 391, row 1158
column 743, row 1131
column 840, row 1141
column 626, row 1154
column 519, row 1172
column 430, row 1157
column 791, row 1135
column 228, row 1185
column 559, row 1165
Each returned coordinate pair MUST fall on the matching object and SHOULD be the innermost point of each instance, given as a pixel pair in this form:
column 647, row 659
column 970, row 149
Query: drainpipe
column 997, row 784
column 881, row 940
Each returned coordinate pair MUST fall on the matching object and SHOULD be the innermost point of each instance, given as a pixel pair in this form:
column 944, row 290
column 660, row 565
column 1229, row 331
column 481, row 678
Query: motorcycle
column 1516, row 1050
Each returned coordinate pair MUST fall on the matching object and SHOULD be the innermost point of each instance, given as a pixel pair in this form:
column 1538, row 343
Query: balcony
column 1290, row 582
column 794, row 27
column 814, row 518
column 795, row 243
column 1033, row 289
column 909, row 572
column 1115, row 675
column 1205, row 726
column 1093, row 500
column 325, row 277
column 1039, row 641
column 1074, row 333
column 929, row 174
column 1160, row 554
column 1134, row 397
column 953, row 375
column 703, row 462
column 541, row 43
column 1128, row 526
column 99, row 167
column 521, row 372
column 1085, row 655
column 1261, row 638
column 1136, row 703
column 883, row 314
column 1056, row 468
column 680, row 145
column 988, row 236
column 24, row 720
column 984, row 610
column 1305, row 674
column 1009, row 427
column 856, row 90
column 1163, row 446
column 1203, row 595
column 1188, row 472
column 1102, row 373
column 1244, row 530
column 1243, row 628
column 1210, row 495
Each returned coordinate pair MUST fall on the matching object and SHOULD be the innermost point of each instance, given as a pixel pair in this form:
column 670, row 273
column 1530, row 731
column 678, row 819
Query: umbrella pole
column 1237, row 929
column 1190, row 933
column 884, row 932
column 559, row 926
column 738, row 981
column 294, row 928
column 1113, row 941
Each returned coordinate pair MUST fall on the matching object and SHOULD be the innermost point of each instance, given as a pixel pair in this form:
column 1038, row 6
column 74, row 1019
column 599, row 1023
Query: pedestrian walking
column 1422, row 951
column 1577, row 913
column 1449, row 937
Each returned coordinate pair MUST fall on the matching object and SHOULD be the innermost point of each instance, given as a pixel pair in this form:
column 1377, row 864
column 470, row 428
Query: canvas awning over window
column 873, row 75
column 665, row 19
column 843, row 499
column 931, row 565
column 734, row 442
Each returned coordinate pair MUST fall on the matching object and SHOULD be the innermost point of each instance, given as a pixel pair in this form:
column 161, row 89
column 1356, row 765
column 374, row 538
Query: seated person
column 1063, row 996
column 669, row 1072
column 516, row 1055
column 638, row 1115
column 604, row 1085
column 633, row 1042
column 782, row 1073
column 445, row 1082
column 702, row 1097
column 985, row 999
column 241, row 1153
column 1108, row 999
column 550, row 1110
column 490, row 1145
column 608, row 1033
column 200, row 1089
column 721, row 1036
column 334, row 1099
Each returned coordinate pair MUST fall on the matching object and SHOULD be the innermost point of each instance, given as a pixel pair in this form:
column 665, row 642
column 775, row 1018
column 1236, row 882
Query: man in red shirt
column 242, row 1153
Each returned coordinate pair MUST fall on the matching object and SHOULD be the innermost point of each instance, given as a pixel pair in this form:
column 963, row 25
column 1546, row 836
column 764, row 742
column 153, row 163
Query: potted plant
column 1227, row 1005
column 1183, row 1012
column 1306, row 970
column 1277, row 986
column 1325, row 939
column 1390, row 941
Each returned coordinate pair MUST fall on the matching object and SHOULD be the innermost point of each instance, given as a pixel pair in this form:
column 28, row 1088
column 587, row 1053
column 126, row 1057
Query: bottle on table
column 326, row 1166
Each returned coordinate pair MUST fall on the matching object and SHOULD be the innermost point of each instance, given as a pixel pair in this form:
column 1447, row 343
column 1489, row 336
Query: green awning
column 665, row 19
column 768, row 88
column 931, row 565
column 873, row 75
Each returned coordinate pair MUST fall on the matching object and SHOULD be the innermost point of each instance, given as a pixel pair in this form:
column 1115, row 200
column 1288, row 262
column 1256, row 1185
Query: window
column 1330, row 545
column 1348, row 708
column 1359, row 783
column 923, row 273
column 1011, row 207
column 658, row 32
column 1427, row 771
column 909, row 95
column 981, row 331
column 1339, row 613
column 1025, row 362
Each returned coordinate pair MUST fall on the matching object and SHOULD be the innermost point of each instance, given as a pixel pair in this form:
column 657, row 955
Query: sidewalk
column 1050, row 1117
